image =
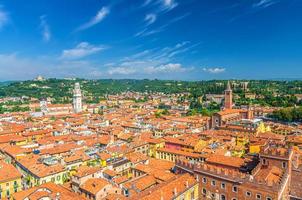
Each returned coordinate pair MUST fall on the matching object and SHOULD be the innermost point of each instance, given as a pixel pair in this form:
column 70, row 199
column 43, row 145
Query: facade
column 77, row 98
column 10, row 180
column 269, row 180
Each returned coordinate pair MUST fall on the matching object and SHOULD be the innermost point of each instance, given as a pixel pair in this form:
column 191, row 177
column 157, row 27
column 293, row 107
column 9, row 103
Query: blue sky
column 164, row 39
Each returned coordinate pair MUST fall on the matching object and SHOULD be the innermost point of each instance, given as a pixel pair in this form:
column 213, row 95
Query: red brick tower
column 228, row 97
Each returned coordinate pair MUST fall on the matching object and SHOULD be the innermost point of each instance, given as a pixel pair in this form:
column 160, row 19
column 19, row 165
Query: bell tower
column 228, row 97
column 77, row 98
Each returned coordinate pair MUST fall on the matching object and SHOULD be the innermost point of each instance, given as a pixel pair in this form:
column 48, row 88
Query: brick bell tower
column 228, row 97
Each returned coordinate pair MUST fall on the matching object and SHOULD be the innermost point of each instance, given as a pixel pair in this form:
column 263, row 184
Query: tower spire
column 228, row 86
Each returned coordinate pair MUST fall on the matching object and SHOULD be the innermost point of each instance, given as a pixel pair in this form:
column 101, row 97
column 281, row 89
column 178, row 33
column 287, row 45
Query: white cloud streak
column 158, row 61
column 3, row 18
column 83, row 49
column 148, row 32
column 214, row 70
column 150, row 18
column 144, row 68
column 46, row 34
column 100, row 16
column 169, row 4
column 264, row 3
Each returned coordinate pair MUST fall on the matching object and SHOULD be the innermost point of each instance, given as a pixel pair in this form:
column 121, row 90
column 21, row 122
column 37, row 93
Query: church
column 228, row 114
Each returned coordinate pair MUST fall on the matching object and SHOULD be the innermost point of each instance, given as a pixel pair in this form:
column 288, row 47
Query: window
column 283, row 164
column 58, row 178
column 234, row 199
column 222, row 197
column 53, row 179
column 204, row 191
column 192, row 195
column 213, row 195
column 213, row 183
column 258, row 196
column 235, row 189
column 222, row 185
column 248, row 194
column 268, row 198
column 204, row 179
column 263, row 161
column 7, row 184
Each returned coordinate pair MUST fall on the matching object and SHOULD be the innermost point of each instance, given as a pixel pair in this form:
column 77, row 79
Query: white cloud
column 214, row 70
column 122, row 70
column 46, row 34
column 169, row 4
column 83, row 49
column 146, row 2
column 264, row 3
column 166, row 68
column 147, row 31
column 100, row 16
column 150, row 18
column 141, row 54
column 170, row 52
column 3, row 17
column 145, row 68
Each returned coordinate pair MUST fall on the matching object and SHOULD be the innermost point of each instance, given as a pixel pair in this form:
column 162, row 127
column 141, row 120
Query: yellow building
column 173, row 154
column 103, row 158
column 262, row 128
column 201, row 144
column 154, row 144
column 10, row 180
column 255, row 147
column 36, row 173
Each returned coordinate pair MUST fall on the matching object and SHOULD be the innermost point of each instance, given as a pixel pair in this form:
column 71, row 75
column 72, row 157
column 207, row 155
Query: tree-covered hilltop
column 271, row 93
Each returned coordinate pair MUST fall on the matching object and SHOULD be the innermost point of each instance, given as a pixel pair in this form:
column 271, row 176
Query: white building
column 77, row 98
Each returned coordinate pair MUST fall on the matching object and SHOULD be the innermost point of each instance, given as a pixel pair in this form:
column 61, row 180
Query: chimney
column 58, row 196
column 175, row 192
column 197, row 178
